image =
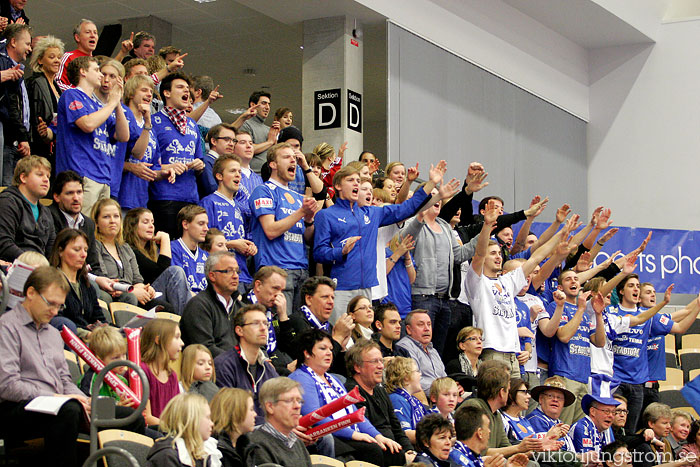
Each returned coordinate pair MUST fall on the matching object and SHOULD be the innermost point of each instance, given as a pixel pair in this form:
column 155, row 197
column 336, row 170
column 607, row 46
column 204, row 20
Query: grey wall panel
column 443, row 107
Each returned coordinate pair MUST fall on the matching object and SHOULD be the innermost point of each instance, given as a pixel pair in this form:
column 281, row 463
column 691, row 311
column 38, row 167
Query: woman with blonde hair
column 233, row 414
column 117, row 259
column 330, row 163
column 402, row 382
column 44, row 94
column 186, row 422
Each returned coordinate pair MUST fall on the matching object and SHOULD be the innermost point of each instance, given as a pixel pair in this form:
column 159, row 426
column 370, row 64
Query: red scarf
column 178, row 117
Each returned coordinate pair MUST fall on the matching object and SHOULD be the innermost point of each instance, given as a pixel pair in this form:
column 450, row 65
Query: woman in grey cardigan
column 117, row 259
column 437, row 248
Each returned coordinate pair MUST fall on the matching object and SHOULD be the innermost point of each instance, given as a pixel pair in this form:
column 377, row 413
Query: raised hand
column 559, row 297
column 604, row 220
column 449, row 189
column 630, row 264
column 412, row 173
column 177, row 64
column 608, row 235
column 475, row 178
column 437, row 172
column 145, row 111
column 251, row 112
column 563, row 212
column 644, row 244
column 308, row 207
column 128, row 44
column 407, row 244
column 595, row 215
column 491, row 213
column 598, row 302
column 274, row 132
column 536, row 207
column 667, row 294
column 581, row 298
column 214, row 95
column 343, row 148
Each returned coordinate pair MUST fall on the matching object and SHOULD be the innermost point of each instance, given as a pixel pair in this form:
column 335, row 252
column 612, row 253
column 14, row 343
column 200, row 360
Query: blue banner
column 671, row 257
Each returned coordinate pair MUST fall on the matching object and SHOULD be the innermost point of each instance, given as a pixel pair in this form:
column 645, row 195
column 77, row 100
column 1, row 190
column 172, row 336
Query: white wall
column 644, row 133
column 502, row 40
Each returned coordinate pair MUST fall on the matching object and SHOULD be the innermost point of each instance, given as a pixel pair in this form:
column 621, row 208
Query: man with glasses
column 594, row 431
column 28, row 343
column 365, row 367
column 275, row 441
column 221, row 139
column 246, row 366
column 552, row 397
column 208, row 315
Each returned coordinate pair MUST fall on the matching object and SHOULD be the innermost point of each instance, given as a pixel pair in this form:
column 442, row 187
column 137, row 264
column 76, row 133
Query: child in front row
column 161, row 345
column 186, row 421
column 197, row 374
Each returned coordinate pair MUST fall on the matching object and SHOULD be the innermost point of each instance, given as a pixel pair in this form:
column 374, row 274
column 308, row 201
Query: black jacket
column 11, row 106
column 232, row 456
column 205, row 321
column 42, row 103
column 297, row 323
column 163, row 453
column 19, row 232
column 5, row 11
column 83, row 310
column 60, row 223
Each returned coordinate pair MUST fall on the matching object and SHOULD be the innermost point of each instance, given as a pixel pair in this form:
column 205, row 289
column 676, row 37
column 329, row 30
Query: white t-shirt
column 494, row 310
column 384, row 235
column 602, row 358
column 533, row 300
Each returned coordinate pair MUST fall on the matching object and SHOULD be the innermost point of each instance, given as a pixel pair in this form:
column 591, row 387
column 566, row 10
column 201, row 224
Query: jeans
column 172, row 283
column 10, row 156
column 635, row 399
column 292, row 290
column 440, row 314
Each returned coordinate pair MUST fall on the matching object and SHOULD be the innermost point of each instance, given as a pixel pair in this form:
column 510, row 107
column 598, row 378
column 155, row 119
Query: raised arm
column 590, row 273
column 628, row 268
column 646, row 315
column 603, row 240
column 566, row 332
column 411, row 176
column 599, row 337
column 538, row 256
column 274, row 228
column 561, row 215
column 549, row 327
column 684, row 324
column 519, row 242
column 602, row 222
column 482, row 245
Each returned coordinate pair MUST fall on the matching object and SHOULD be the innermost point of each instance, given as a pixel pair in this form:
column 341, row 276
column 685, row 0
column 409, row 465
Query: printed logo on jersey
column 587, row 442
column 175, row 147
column 367, row 221
column 664, row 319
column 75, row 105
column 289, row 198
column 262, row 203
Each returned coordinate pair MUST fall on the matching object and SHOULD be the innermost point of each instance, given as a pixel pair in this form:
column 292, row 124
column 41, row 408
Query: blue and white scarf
column 314, row 321
column 271, row 336
column 473, row 458
column 417, row 407
column 329, row 389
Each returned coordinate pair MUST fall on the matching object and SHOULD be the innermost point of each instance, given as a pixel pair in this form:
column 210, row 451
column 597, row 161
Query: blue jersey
column 586, row 436
column 192, row 263
column 299, row 182
column 249, row 181
column 541, row 423
column 134, row 190
column 120, row 152
column 88, row 154
column 517, row 428
column 573, row 359
column 399, row 287
column 225, row 215
column 522, row 316
column 174, row 147
column 462, row 455
column 656, row 352
column 287, row 250
column 630, row 346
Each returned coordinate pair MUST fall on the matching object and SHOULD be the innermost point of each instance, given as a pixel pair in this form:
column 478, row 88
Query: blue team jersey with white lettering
column 586, row 436
column 630, row 346
column 398, row 286
column 225, row 215
column 173, row 147
column 287, row 250
column 192, row 263
column 245, row 189
column 573, row 359
column 88, row 154
column 522, row 316
column 134, row 190
column 656, row 350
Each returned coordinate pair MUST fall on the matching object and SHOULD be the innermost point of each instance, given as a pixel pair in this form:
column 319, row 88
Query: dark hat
column 555, row 382
column 291, row 132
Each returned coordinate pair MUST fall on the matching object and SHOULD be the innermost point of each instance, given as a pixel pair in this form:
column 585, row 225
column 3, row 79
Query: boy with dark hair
column 192, row 224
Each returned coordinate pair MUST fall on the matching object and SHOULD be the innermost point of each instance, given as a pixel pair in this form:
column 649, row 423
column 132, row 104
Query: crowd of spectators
column 299, row 277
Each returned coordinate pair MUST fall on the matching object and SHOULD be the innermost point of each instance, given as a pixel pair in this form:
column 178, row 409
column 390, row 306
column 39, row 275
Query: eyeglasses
column 256, row 323
column 524, row 391
column 554, row 397
column 605, row 411
column 292, row 401
column 621, row 411
column 228, row 139
column 473, row 338
column 228, row 271
column 53, row 306
column 376, row 361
